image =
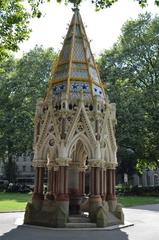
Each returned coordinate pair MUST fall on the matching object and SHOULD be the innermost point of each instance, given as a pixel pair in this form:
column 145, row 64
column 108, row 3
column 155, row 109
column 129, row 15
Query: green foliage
column 101, row 4
column 15, row 16
column 131, row 71
column 21, row 83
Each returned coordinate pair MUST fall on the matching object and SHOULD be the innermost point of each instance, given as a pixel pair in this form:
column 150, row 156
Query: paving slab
column 145, row 220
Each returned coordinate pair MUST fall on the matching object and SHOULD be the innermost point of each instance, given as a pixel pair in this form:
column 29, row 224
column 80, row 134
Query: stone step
column 78, row 219
column 81, row 225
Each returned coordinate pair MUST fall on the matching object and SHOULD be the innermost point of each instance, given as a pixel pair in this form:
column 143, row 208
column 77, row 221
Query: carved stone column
column 62, row 175
column 105, row 183
column 111, row 197
column 39, row 166
column 50, row 182
column 102, row 183
column 97, row 177
column 95, row 199
column 82, row 182
column 41, row 181
column 111, row 184
column 36, row 182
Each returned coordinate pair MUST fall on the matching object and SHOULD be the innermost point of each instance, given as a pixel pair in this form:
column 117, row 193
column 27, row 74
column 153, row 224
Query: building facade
column 24, row 169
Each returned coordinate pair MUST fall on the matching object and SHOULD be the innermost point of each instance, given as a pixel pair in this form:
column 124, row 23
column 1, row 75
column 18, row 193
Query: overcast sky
column 102, row 28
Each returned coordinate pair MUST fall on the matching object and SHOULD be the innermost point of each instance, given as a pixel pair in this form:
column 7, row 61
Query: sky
column 103, row 28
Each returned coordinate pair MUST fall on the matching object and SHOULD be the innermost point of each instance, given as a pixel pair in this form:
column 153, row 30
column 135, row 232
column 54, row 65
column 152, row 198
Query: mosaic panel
column 61, row 68
column 93, row 74
column 78, row 86
column 78, row 32
column 97, row 91
column 88, row 53
column 59, row 88
column 60, row 75
column 79, row 66
column 65, row 52
column 79, row 73
column 78, row 51
column 70, row 32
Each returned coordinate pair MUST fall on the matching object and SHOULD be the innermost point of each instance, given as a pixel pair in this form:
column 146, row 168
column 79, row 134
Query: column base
column 62, row 197
column 112, row 204
column 38, row 196
column 50, row 196
column 110, row 197
column 95, row 201
column 49, row 214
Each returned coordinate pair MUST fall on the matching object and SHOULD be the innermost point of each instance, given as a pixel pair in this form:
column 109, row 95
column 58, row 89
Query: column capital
column 95, row 163
column 39, row 163
column 111, row 165
column 63, row 161
column 78, row 166
column 51, row 165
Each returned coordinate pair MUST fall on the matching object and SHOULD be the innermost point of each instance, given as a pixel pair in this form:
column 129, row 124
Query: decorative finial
column 76, row 4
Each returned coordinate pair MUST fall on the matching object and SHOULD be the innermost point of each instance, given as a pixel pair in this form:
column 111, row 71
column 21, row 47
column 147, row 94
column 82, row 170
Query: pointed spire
column 76, row 68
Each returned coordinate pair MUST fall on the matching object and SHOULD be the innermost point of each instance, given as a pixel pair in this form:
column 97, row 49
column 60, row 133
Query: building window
column 24, row 168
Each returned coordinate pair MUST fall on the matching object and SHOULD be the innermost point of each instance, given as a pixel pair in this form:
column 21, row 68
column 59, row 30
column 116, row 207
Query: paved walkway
column 145, row 219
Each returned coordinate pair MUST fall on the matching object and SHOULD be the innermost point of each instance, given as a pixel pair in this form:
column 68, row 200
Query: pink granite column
column 49, row 181
column 102, row 183
column 82, row 182
column 111, row 184
column 66, row 180
column 95, row 181
column 62, row 193
column 41, row 180
column 105, row 183
column 36, row 183
column 53, row 182
column 50, row 185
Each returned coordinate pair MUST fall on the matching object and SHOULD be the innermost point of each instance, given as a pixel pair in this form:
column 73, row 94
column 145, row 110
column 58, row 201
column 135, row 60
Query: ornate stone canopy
column 74, row 140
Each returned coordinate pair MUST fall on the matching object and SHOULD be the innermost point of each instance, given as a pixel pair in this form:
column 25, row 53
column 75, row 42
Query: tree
column 131, row 70
column 21, row 83
column 16, row 15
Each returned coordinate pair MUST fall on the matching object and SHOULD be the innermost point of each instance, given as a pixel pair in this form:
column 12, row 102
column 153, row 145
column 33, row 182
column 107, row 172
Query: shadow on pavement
column 25, row 233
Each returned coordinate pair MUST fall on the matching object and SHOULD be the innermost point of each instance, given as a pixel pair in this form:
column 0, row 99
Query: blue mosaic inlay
column 59, row 88
column 78, row 86
column 97, row 91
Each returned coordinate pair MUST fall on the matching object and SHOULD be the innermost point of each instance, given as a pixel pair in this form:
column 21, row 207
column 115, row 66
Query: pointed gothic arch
column 84, row 139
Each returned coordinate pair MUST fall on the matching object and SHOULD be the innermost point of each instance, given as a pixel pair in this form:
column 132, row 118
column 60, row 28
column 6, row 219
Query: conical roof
column 75, row 68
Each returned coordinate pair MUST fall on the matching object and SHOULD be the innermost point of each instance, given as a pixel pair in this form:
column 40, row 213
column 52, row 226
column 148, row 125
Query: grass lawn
column 17, row 201
column 13, row 201
column 128, row 201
